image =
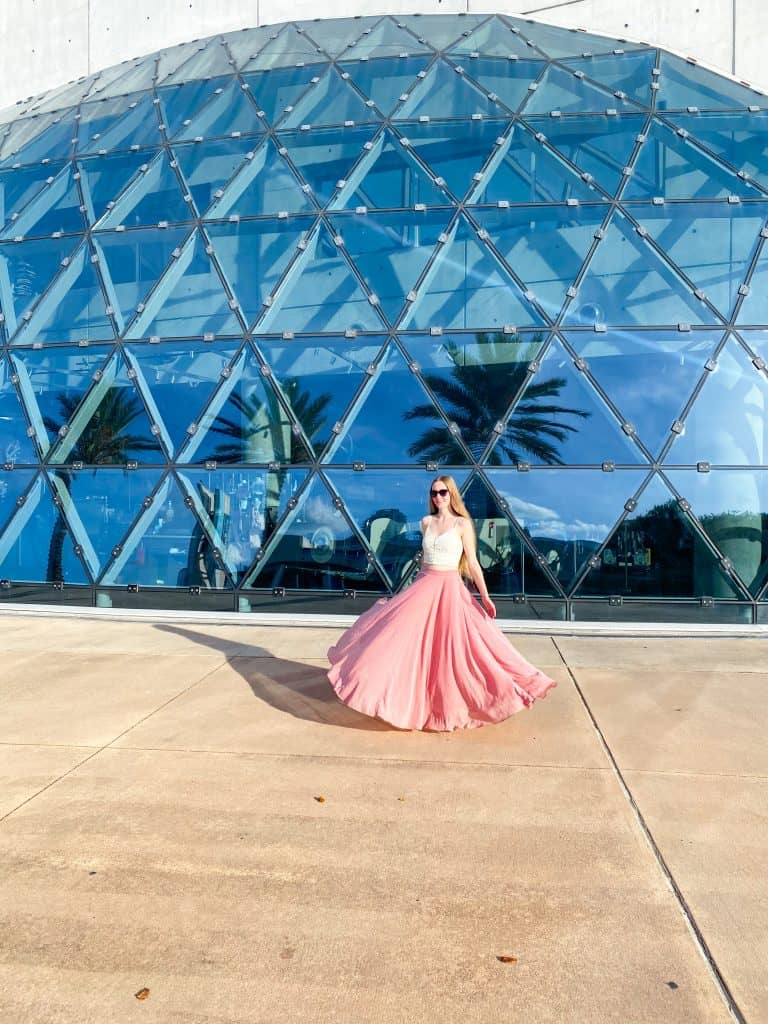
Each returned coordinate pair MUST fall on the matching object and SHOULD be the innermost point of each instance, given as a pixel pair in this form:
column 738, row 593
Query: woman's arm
column 475, row 571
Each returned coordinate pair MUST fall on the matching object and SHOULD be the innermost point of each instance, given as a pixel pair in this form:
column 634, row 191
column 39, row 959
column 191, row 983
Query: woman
column 430, row 657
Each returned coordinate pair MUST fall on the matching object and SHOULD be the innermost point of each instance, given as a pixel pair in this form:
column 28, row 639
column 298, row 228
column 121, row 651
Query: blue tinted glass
column 395, row 421
column 629, row 73
column 103, row 178
column 560, row 418
column 467, row 286
column 740, row 138
column 546, row 246
column 627, row 283
column 683, row 85
column 597, row 144
column 321, row 292
column 712, row 242
column 675, row 168
column 318, row 378
column 170, row 60
column 493, row 38
column 229, row 110
column 330, row 101
column 26, row 270
column 334, row 35
column 325, row 157
column 207, row 166
column 265, row 185
column 245, row 44
column 13, row 484
column 562, row 42
column 655, row 552
column 521, row 170
column 390, row 251
column 561, row 90
column 474, row 378
column 566, row 514
column 315, row 547
column 442, row 30
column 180, row 103
column 275, row 91
column 444, row 93
column 386, row 39
column 754, row 308
column 725, row 425
column 55, row 210
column 210, row 59
column 117, row 124
column 153, row 196
column 732, row 507
column 253, row 256
column 15, row 445
column 385, row 79
column 53, row 143
column 454, row 151
column 649, row 375
column 18, row 187
column 507, row 79
column 286, row 48
column 19, row 133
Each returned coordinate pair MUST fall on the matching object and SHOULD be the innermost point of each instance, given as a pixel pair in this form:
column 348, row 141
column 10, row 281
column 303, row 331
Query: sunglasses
column 442, row 491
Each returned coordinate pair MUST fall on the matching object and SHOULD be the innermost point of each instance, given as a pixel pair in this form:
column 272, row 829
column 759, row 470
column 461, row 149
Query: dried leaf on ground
column 143, row 993
column 320, row 799
column 507, row 959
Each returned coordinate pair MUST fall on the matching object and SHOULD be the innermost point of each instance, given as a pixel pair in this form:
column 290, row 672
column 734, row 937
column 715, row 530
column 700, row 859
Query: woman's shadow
column 295, row 688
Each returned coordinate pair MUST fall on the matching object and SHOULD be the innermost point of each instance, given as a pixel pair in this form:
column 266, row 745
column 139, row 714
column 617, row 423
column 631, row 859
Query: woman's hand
column 489, row 606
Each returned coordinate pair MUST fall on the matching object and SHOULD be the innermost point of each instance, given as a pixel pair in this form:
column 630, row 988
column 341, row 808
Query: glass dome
column 257, row 291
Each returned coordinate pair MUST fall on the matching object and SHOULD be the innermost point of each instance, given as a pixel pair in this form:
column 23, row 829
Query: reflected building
column 257, row 291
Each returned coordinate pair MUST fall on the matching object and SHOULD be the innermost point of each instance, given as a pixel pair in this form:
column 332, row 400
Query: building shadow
column 292, row 687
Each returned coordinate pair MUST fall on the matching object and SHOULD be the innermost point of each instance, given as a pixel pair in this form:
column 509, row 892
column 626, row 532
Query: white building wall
column 44, row 43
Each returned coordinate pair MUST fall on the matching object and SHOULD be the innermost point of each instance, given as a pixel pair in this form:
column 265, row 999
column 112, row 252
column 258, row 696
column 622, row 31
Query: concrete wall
column 44, row 43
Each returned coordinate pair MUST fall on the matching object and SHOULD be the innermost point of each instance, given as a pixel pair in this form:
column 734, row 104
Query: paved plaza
column 193, row 830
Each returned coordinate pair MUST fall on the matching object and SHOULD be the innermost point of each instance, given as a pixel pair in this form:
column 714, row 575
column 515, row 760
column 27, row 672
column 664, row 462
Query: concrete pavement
column 160, row 829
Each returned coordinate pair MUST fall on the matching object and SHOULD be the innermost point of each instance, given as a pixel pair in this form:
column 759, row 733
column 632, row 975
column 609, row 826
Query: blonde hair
column 459, row 509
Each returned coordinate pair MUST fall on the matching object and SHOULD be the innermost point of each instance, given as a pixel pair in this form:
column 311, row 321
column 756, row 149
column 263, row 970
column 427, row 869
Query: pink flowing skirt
column 431, row 658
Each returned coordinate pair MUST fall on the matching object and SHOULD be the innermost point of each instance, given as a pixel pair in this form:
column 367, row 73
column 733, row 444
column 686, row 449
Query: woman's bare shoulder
column 425, row 522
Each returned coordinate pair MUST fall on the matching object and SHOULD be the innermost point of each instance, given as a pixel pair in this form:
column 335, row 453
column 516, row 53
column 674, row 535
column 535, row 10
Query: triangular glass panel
column 189, row 298
column 508, row 563
column 287, row 48
column 628, row 284
column 324, row 157
column 265, row 185
column 454, row 151
column 395, row 421
column 315, row 547
column 211, row 59
column 254, row 255
column 208, row 166
column 559, row 42
column 384, row 79
column 493, row 38
column 153, row 196
column 330, row 102
column 229, row 110
column 73, row 307
column 100, row 505
column 103, row 178
column 655, row 552
column 674, row 168
column 55, row 142
column 466, row 286
column 180, row 103
column 110, row 426
column 758, row 343
column 445, row 92
column 55, row 210
column 713, row 243
column 754, row 308
column 13, row 484
column 275, row 91
column 386, row 177
column 683, row 85
column 21, row 131
column 318, row 378
column 245, row 43
column 131, row 263
column 26, row 271
column 599, row 145
column 239, row 509
column 521, row 170
column 739, row 138
column 15, row 444
column 35, row 546
column 474, row 378
column 725, row 426
column 732, row 508
column 560, row 419
column 245, row 422
column 630, row 73
column 545, row 245
column 505, row 80
column 566, row 513
column 167, row 547
column 172, row 58
column 387, row 506
column 117, row 124
column 19, row 187
column 442, row 30
column 334, row 35
column 321, row 292
column 559, row 89
column 138, row 76
column 390, row 250
column 649, row 375
column 177, row 380
column 385, row 40
column 53, row 381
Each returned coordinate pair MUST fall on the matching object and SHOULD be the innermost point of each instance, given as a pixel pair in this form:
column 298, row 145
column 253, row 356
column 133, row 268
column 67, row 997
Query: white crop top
column 442, row 551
